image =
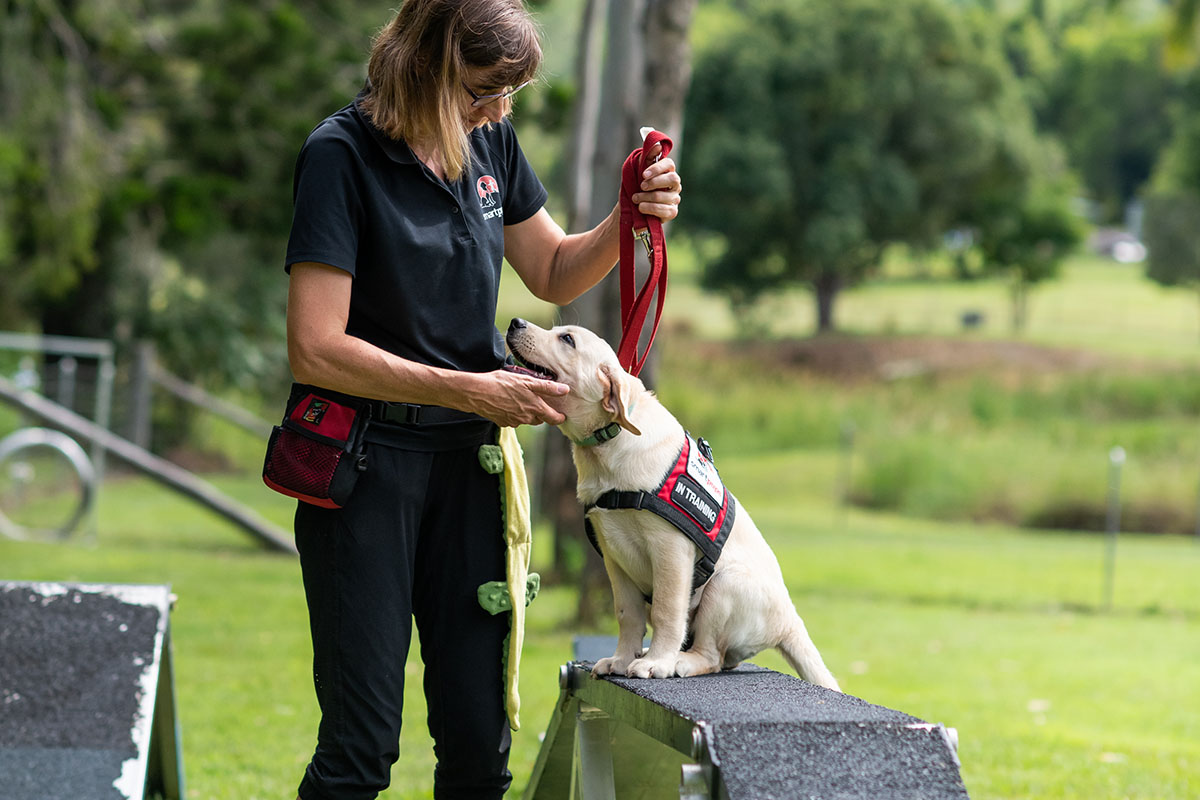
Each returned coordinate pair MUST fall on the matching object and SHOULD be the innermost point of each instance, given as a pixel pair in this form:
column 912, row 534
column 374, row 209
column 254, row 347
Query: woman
column 406, row 201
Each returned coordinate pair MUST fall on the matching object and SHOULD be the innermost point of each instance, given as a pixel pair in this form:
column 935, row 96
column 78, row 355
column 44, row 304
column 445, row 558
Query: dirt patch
column 892, row 358
column 1143, row 518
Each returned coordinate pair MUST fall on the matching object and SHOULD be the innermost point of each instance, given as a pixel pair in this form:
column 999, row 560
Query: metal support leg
column 593, row 774
column 695, row 782
column 699, row 781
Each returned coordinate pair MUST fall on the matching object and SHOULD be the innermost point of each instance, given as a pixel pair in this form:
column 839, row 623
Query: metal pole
column 594, row 764
column 140, row 398
column 67, row 369
column 104, row 391
column 1116, row 459
column 202, row 399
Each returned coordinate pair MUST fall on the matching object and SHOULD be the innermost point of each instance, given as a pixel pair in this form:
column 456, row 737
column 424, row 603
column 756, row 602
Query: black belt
column 415, row 414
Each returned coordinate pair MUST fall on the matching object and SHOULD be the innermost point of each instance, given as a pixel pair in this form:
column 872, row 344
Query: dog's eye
column 567, row 339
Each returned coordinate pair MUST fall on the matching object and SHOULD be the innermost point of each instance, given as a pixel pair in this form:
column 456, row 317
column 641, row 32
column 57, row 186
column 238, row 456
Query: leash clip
column 644, row 236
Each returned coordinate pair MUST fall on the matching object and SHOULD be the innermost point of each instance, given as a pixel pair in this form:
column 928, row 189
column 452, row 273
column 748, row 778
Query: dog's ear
column 618, row 393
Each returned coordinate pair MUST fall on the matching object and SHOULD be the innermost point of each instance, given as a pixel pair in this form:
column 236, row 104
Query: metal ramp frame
column 156, row 468
column 744, row 734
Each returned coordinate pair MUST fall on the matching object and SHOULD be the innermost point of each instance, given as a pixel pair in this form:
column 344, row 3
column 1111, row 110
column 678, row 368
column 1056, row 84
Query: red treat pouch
column 317, row 453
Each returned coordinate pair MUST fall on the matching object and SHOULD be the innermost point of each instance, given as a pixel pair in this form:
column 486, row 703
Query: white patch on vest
column 704, row 473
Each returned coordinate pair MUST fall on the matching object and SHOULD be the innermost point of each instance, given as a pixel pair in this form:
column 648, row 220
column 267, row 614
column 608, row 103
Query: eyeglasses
column 479, row 100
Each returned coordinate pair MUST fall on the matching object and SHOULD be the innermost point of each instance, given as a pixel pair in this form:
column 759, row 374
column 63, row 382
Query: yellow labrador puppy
column 679, row 551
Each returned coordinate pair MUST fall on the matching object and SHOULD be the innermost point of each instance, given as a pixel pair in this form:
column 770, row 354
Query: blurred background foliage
column 146, row 152
column 146, row 149
column 901, row 176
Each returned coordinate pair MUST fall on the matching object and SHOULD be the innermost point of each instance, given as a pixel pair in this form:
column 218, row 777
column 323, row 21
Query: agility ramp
column 744, row 734
column 87, row 693
column 156, row 468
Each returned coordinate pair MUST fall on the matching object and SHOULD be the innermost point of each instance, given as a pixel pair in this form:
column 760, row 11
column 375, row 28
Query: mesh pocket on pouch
column 317, row 453
column 302, row 465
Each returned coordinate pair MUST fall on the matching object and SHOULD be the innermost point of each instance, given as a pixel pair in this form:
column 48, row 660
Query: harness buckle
column 644, row 236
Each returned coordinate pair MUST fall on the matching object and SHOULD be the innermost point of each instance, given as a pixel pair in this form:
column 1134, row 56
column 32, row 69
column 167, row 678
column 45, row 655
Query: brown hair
column 421, row 58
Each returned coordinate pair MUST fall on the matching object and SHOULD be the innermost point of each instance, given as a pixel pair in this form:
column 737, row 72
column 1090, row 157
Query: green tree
column 1027, row 234
column 1108, row 103
column 1171, row 228
column 252, row 81
column 64, row 148
column 1172, row 240
column 818, row 134
column 1023, row 220
column 146, row 150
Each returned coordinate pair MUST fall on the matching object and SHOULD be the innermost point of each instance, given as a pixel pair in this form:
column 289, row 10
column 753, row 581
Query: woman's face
column 478, row 108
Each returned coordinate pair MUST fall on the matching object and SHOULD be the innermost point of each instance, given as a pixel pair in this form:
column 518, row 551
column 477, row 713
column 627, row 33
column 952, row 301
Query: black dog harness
column 691, row 497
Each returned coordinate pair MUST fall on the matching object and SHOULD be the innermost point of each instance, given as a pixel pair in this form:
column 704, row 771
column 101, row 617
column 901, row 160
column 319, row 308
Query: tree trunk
column 557, row 481
column 667, row 73
column 826, row 288
column 629, row 91
column 668, row 70
column 585, row 115
column 1020, row 303
column 616, row 134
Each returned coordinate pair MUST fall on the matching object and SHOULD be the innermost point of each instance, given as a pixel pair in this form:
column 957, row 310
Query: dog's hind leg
column 697, row 662
column 710, row 629
column 799, row 651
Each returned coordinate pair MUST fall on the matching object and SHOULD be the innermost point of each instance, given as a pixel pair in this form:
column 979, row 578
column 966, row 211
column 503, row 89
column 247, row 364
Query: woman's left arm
column 558, row 267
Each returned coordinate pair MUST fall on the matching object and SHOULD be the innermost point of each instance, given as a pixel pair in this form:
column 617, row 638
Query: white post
column 1116, row 459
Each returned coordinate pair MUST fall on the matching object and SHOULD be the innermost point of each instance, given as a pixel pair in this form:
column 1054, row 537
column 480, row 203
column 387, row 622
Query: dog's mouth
column 525, row 367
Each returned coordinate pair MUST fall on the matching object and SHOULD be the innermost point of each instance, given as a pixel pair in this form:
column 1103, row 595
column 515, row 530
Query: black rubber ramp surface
column 776, row 737
column 71, row 663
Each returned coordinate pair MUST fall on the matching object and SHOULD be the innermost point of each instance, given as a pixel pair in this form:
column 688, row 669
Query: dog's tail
column 799, row 651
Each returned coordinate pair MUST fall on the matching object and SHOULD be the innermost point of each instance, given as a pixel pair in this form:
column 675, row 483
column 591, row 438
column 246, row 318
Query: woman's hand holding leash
column 646, row 176
column 661, row 187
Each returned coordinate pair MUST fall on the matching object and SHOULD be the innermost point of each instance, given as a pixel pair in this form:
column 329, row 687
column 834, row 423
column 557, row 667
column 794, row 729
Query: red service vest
column 691, row 497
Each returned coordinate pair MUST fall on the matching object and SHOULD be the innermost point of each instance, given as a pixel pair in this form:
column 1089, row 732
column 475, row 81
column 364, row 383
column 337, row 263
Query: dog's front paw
column 653, row 668
column 609, row 666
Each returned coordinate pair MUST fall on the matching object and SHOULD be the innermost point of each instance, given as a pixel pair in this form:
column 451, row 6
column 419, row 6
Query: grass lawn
column 991, row 631
column 994, row 630
column 1095, row 304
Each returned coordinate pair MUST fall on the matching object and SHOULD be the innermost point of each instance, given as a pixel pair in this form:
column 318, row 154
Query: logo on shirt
column 489, row 192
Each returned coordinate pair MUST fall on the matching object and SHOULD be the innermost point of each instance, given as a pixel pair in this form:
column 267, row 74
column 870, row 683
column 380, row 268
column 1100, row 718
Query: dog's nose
column 517, row 324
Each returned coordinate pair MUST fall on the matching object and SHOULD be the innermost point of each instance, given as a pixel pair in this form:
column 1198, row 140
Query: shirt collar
column 396, row 149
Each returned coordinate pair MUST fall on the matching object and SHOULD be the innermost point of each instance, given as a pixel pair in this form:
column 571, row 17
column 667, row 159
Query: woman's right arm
column 321, row 353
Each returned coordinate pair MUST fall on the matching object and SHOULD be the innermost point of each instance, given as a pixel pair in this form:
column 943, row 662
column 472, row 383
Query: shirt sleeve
column 526, row 194
column 327, row 204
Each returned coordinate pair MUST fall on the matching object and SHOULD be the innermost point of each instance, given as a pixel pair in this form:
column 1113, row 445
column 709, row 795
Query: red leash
column 635, row 224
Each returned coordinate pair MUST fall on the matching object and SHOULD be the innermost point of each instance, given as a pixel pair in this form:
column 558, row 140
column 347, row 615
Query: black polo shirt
column 425, row 255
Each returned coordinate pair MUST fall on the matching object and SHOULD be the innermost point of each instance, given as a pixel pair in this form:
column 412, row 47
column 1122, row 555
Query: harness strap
column 710, row 549
column 635, row 224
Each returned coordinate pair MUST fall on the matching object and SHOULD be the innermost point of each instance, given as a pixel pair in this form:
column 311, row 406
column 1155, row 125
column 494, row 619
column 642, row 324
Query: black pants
column 420, row 533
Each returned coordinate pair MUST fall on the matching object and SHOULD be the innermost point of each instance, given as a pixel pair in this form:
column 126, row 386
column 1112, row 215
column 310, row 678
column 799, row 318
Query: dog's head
column 601, row 391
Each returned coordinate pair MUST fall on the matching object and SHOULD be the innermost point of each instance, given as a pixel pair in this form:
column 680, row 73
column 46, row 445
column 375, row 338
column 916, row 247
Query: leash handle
column 647, row 229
